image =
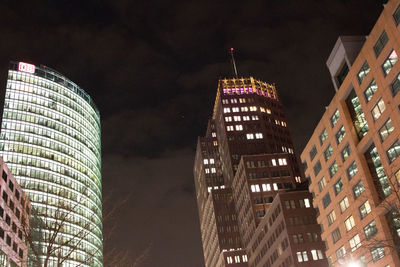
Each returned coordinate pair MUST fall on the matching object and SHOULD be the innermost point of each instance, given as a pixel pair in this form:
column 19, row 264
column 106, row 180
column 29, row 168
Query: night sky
column 152, row 69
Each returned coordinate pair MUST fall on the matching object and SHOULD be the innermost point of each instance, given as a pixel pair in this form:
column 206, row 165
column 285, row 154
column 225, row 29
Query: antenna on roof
column 233, row 62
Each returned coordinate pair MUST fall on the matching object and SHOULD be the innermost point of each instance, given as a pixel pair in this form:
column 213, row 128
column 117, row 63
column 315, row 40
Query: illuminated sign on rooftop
column 25, row 67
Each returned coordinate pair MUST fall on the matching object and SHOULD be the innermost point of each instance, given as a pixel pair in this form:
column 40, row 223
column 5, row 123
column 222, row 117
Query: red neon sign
column 25, row 67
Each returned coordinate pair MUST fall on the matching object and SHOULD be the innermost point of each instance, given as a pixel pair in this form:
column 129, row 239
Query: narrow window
column 380, row 43
column 389, row 62
column 363, row 72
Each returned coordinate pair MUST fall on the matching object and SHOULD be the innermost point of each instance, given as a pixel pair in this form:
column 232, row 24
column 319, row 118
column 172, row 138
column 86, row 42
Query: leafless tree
column 53, row 238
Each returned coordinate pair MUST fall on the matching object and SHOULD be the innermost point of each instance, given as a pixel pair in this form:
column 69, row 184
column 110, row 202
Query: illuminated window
column 341, row 133
column 314, row 254
column 236, row 118
column 397, row 175
column 394, row 151
column 282, row 162
column 299, row 257
column 338, row 186
column 253, row 108
column 239, row 127
column 358, row 189
column 235, row 109
column 255, row 188
column 335, row 118
column 321, row 184
column 344, row 204
column 211, row 161
column 205, row 161
column 389, row 62
column 237, row 259
column 264, row 187
column 254, row 117
column 225, row 101
column 244, row 109
column 275, row 186
column 341, row 252
column 365, row 209
column 355, row 242
column 250, row 136
column 302, row 256
column 331, row 217
column 333, row 169
column 233, row 100
column 246, row 118
column 328, row 152
column 346, row 152
column 377, row 253
column 244, row 258
column 386, row 130
column 370, row 230
column 228, row 119
column 349, row 223
column 268, row 111
column 273, row 162
column 323, row 136
column 370, row 91
column 214, row 134
column 378, row 109
column 229, row 128
column 352, row 170
column 207, row 170
column 307, row 203
column 227, row 110
column 363, row 72
column 305, row 257
column 259, row 135
column 213, row 170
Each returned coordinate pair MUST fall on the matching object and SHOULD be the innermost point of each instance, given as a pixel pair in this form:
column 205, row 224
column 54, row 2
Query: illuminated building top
column 240, row 86
column 50, row 74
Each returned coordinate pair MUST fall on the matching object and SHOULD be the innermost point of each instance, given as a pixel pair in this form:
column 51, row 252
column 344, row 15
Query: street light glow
column 354, row 264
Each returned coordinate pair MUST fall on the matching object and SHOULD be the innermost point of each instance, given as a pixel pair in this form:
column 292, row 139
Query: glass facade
column 50, row 140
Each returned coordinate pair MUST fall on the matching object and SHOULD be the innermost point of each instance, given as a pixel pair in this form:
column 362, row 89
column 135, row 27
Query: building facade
column 247, row 155
column 352, row 157
column 50, row 140
column 14, row 220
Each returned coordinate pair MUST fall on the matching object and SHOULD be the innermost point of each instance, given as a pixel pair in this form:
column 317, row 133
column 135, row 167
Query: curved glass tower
column 50, row 139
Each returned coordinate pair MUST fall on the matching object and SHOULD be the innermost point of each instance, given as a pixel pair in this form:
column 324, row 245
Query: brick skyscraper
column 353, row 155
column 252, row 205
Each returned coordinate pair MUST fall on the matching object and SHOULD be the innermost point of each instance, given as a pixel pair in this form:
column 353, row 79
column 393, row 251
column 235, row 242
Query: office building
column 352, row 158
column 14, row 220
column 245, row 172
column 50, row 140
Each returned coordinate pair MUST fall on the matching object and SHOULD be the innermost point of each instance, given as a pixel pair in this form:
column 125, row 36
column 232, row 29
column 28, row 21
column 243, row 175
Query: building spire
column 233, row 63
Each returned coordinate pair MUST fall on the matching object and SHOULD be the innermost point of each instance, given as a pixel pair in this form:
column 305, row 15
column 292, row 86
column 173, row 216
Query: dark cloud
column 152, row 68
